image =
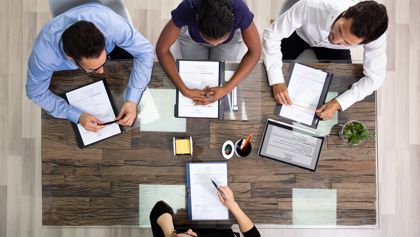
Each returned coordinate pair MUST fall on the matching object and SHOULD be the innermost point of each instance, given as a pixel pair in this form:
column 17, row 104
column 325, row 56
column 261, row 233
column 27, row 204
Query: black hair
column 83, row 40
column 215, row 18
column 370, row 20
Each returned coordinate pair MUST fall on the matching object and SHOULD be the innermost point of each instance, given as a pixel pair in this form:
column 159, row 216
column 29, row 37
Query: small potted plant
column 354, row 133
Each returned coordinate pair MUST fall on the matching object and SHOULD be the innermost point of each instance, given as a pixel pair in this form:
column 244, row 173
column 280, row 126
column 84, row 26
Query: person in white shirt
column 331, row 28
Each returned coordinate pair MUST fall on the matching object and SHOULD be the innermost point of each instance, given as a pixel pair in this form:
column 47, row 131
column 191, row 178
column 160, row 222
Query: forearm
column 245, row 224
column 168, row 64
column 245, row 67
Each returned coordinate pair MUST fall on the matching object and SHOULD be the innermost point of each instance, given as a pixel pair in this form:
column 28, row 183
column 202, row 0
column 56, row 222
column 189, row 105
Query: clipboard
column 79, row 139
column 284, row 156
column 212, row 189
column 220, row 114
column 322, row 98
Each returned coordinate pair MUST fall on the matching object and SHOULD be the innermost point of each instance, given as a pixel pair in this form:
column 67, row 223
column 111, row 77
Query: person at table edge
column 331, row 28
column 81, row 38
column 209, row 30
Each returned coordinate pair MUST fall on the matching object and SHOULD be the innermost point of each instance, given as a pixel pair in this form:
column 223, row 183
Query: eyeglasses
column 91, row 71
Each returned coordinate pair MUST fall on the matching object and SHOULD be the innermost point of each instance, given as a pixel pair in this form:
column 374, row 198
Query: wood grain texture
column 98, row 185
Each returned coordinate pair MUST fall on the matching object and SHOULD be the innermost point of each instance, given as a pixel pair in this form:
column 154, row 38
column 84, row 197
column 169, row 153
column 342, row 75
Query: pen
column 248, row 139
column 215, row 185
column 108, row 123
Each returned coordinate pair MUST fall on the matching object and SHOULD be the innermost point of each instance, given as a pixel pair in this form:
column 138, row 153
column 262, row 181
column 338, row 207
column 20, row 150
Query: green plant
column 355, row 132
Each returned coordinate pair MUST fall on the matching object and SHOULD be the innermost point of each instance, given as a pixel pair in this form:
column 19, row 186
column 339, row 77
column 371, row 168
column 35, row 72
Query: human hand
column 212, row 94
column 90, row 122
column 226, row 197
column 327, row 111
column 281, row 94
column 127, row 114
column 194, row 93
column 189, row 233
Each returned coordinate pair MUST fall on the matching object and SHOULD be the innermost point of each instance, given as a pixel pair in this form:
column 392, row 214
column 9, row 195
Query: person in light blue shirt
column 81, row 38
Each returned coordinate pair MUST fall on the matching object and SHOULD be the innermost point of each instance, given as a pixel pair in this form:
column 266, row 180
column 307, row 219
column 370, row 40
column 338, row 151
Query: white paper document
column 94, row 100
column 305, row 89
column 198, row 75
column 204, row 203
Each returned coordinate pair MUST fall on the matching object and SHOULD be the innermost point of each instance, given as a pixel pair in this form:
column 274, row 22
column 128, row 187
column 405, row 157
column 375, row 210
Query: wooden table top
column 99, row 185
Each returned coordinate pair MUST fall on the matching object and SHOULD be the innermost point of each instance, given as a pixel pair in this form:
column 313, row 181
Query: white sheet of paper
column 150, row 194
column 205, row 204
column 94, row 100
column 305, row 88
column 198, row 75
column 324, row 127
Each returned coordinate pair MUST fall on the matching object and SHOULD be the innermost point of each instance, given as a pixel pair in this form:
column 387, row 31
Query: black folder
column 221, row 82
column 322, row 98
column 79, row 139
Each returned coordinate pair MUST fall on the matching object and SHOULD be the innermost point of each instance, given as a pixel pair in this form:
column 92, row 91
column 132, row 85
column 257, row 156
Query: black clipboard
column 79, row 139
column 322, row 98
column 290, row 127
column 221, row 82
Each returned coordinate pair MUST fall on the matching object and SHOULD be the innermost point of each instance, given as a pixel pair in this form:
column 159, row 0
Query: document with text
column 306, row 90
column 198, row 75
column 94, row 99
column 203, row 201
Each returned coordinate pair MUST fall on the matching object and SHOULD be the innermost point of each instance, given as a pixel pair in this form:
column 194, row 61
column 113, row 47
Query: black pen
column 108, row 123
column 215, row 185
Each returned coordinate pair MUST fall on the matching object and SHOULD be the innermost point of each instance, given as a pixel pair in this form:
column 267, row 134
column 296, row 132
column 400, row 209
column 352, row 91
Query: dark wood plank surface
column 99, row 185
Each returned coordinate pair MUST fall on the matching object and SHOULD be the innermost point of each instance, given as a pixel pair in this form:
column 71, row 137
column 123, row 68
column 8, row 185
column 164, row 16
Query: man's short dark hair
column 215, row 18
column 370, row 20
column 83, row 40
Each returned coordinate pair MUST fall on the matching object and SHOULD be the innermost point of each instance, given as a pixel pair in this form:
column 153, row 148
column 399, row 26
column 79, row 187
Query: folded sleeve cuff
column 133, row 95
column 73, row 114
column 275, row 77
column 345, row 101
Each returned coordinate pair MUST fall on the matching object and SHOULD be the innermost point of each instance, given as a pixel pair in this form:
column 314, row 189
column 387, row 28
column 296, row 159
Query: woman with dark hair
column 209, row 30
column 161, row 219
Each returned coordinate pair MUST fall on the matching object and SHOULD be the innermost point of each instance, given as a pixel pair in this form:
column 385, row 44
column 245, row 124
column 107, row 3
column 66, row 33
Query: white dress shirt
column 312, row 21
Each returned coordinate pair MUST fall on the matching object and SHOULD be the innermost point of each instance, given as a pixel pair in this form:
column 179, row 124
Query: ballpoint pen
column 108, row 123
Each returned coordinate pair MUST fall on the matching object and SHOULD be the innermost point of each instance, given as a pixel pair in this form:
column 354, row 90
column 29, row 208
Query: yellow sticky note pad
column 182, row 146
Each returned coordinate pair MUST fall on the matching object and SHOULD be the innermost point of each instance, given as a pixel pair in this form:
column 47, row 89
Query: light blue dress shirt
column 47, row 56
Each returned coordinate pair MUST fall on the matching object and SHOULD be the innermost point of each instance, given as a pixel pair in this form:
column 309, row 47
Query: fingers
column 324, row 113
column 191, row 232
column 322, row 108
column 202, row 101
column 221, row 199
column 92, row 125
column 288, row 100
column 283, row 99
column 127, row 119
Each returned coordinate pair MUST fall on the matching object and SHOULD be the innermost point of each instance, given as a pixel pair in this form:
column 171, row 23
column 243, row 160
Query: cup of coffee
column 244, row 151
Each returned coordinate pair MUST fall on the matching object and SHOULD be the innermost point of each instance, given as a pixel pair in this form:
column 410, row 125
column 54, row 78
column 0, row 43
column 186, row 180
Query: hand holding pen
column 225, row 195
